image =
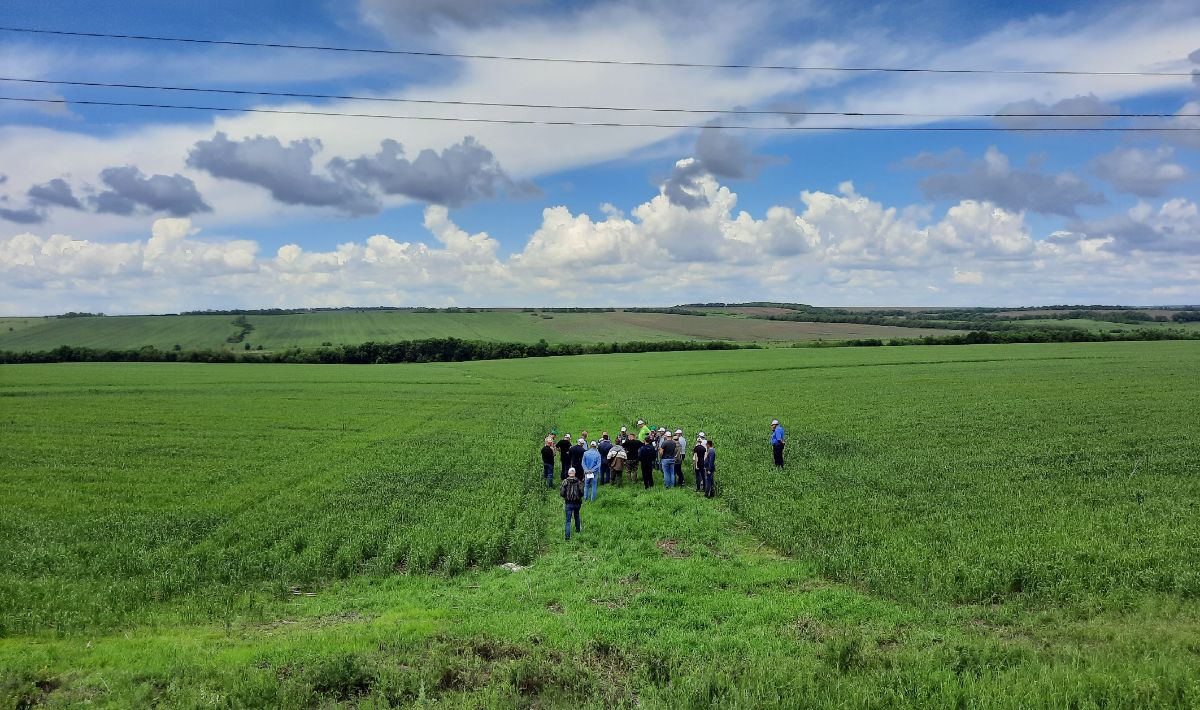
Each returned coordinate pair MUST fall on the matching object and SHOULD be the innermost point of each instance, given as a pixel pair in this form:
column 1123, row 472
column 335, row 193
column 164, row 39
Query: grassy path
column 662, row 601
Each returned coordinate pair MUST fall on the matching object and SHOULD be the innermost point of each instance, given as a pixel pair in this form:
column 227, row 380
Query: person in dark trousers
column 699, row 451
column 646, row 455
column 548, row 461
column 564, row 453
column 572, row 495
column 777, row 442
column 604, row 446
column 710, row 469
column 576, row 455
column 617, row 458
column 632, row 447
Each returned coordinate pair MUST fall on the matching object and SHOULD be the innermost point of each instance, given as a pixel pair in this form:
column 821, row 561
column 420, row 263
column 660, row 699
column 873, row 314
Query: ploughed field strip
column 1008, row 526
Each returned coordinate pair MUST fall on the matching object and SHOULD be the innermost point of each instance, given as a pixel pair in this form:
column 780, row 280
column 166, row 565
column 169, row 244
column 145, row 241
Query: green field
column 982, row 526
column 352, row 328
column 1099, row 325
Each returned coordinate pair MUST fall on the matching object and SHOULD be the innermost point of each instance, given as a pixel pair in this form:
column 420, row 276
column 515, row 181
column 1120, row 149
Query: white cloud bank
column 839, row 248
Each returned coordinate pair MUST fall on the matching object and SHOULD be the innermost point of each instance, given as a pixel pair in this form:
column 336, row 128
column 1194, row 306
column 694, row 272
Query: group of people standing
column 586, row 464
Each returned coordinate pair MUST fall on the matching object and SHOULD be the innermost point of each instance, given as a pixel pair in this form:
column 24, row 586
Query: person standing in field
column 617, row 458
column 643, row 430
column 777, row 442
column 591, row 471
column 680, row 450
column 548, row 461
column 710, row 468
column 646, row 455
column 564, row 453
column 576, row 453
column 699, row 451
column 572, row 495
column 632, row 447
column 604, row 446
column 666, row 453
column 622, row 436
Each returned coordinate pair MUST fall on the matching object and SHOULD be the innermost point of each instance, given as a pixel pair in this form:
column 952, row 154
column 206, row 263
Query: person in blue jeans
column 548, row 461
column 591, row 471
column 710, row 468
column 572, row 495
column 666, row 452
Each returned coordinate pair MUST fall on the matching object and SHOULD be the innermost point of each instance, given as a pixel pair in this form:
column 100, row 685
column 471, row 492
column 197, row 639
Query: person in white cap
column 699, row 451
column 666, row 453
column 680, row 452
column 564, row 453
column 777, row 442
column 572, row 495
column 576, row 453
column 643, row 430
column 591, row 471
column 622, row 436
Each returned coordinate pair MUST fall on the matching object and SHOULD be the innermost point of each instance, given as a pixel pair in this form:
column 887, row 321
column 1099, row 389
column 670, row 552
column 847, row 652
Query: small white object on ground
column 512, row 566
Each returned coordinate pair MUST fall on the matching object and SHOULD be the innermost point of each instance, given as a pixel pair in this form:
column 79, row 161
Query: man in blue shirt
column 777, row 442
column 591, row 471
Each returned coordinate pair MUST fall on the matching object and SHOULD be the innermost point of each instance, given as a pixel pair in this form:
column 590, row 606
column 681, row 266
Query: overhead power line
column 497, row 104
column 576, row 60
column 602, row 124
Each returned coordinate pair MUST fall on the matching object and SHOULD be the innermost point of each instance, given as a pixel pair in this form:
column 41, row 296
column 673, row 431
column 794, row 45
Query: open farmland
column 986, row 526
column 354, row 327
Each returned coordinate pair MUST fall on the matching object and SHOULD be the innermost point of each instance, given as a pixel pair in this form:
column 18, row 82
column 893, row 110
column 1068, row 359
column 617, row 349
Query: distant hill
column 351, row 327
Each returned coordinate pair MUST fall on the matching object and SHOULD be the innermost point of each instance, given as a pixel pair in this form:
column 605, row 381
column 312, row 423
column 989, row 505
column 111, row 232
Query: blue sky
column 123, row 210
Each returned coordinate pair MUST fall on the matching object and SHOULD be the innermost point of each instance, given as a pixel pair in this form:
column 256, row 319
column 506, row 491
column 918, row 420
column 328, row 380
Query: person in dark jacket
column 699, row 451
column 576, row 453
column 710, row 469
column 604, row 446
column 647, row 454
column 548, row 461
column 564, row 453
column 632, row 447
column 572, row 495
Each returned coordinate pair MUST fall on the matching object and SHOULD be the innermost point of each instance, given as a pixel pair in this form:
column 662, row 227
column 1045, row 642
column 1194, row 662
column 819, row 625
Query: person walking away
column 548, row 461
column 699, row 451
column 632, row 447
column 591, row 471
column 572, row 495
column 604, row 446
column 646, row 455
column 777, row 442
column 680, row 449
column 666, row 453
column 710, row 468
column 617, row 458
column 576, row 453
column 564, row 453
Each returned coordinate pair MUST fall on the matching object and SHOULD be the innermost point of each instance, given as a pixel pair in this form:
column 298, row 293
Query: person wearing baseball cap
column 591, row 471
column 777, row 442
column 564, row 453
column 643, row 430
column 576, row 453
column 699, row 451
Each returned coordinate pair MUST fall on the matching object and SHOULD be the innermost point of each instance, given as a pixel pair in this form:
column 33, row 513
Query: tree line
column 456, row 350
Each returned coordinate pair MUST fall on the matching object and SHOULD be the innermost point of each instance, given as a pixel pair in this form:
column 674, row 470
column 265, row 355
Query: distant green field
column 352, row 328
column 976, row 526
column 1098, row 325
